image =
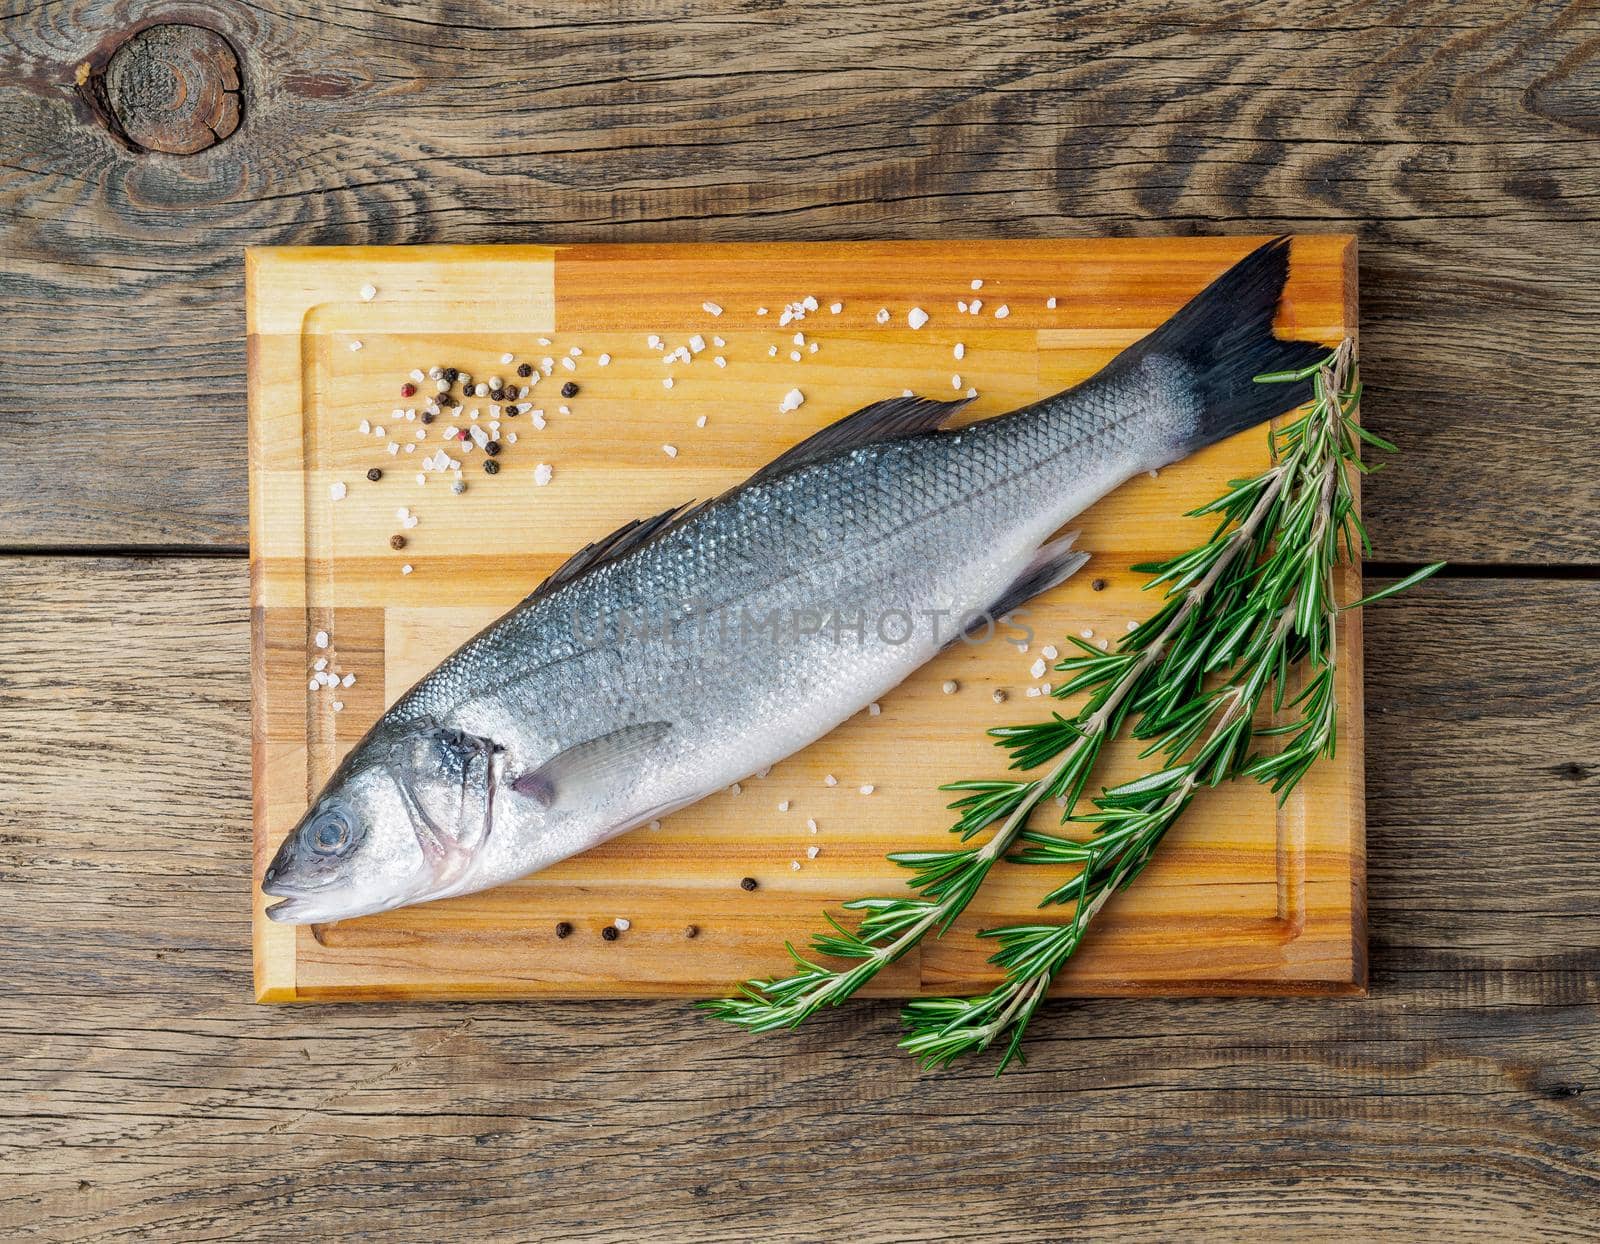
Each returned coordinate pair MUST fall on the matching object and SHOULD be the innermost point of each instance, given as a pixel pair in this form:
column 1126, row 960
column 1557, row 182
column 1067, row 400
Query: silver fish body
column 705, row 646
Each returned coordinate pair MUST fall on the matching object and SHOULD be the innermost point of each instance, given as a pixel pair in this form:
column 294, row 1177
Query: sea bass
column 689, row 650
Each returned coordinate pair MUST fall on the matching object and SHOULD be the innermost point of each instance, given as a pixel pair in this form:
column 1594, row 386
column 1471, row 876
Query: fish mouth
column 291, row 910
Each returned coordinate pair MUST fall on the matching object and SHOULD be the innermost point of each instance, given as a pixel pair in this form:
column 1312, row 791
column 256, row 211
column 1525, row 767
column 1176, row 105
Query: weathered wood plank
column 1459, row 139
column 140, row 1093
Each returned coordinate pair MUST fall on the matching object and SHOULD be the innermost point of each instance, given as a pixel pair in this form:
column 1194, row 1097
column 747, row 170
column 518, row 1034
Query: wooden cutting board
column 1244, row 897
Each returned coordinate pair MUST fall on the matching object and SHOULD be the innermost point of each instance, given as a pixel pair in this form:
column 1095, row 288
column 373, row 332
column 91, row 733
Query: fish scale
column 567, row 721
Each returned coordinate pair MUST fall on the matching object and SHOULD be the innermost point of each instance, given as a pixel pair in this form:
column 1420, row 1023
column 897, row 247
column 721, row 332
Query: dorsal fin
column 882, row 421
column 619, row 543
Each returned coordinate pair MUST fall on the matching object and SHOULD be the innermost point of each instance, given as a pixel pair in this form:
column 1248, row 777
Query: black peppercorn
column 692, row 931
column 525, row 370
column 570, row 389
column 450, row 400
column 427, row 416
column 374, row 474
column 497, row 395
column 491, row 448
column 491, row 467
column 450, row 374
column 609, row 933
column 563, row 929
column 397, row 541
column 749, row 883
column 1099, row 585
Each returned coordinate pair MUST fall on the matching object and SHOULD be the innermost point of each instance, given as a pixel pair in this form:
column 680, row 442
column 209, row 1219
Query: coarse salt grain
column 961, row 304
column 883, row 315
column 711, row 308
column 368, row 293
column 916, row 317
column 812, row 348
column 794, row 356
column 542, row 474
column 783, row 805
column 955, row 381
column 697, row 343
column 623, row 924
column 336, row 490
column 735, row 789
column 569, row 364
column 720, row 361
column 1050, row 302
column 349, row 680
column 667, row 383
column 718, row 342
column 1087, row 633
column 799, row 339
column 576, row 352
column 868, row 789
column 1102, row 644
column 1033, row 693
column 1132, row 625
column 1002, row 311
column 794, row 865
column 761, row 310
column 700, row 422
column 835, row 307
column 960, row 351
column 975, row 306
column 406, row 569
column 338, row 706
column 792, row 400
column 417, row 375
column 813, row 852
column 977, row 284
column 355, row 345
column 811, row 826
column 604, row 360
column 563, row 410
column 321, row 663
column 1036, row 670
column 655, row 824
column 772, row 352
column 874, row 709
column 670, row 450
column 1050, row 652
column 971, row 392
column 313, row 685
column 830, row 780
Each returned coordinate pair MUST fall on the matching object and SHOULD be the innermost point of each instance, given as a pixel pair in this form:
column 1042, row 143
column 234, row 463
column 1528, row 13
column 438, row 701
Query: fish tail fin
column 1223, row 339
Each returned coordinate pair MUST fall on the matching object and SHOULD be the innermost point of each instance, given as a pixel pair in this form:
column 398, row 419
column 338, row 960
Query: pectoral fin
column 577, row 774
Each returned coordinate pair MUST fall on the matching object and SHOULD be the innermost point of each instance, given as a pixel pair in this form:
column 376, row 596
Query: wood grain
column 1247, row 897
column 1457, row 136
column 142, row 1095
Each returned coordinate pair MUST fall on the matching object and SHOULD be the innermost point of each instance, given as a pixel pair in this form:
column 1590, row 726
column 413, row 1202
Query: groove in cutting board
column 1242, row 898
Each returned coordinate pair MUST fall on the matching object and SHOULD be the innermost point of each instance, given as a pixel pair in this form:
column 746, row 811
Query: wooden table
column 143, row 1094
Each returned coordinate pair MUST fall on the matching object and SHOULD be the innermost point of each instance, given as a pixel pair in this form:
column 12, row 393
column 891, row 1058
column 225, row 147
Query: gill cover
column 447, row 778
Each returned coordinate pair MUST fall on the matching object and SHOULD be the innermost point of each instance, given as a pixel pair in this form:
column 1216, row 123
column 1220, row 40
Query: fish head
column 399, row 822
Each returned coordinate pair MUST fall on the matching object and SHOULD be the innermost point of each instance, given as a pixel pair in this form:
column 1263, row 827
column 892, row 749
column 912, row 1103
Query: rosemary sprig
column 1252, row 622
column 1238, row 612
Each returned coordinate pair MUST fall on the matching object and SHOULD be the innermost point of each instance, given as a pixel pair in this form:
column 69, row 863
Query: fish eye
column 330, row 833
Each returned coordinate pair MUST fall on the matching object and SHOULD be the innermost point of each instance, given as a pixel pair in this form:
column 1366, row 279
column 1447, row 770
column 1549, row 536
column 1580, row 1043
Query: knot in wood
column 170, row 88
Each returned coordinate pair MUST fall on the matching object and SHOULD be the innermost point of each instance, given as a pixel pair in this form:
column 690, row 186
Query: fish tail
column 1223, row 339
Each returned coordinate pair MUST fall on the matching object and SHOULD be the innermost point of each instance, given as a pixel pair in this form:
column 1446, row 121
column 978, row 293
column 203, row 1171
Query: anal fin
column 1051, row 565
